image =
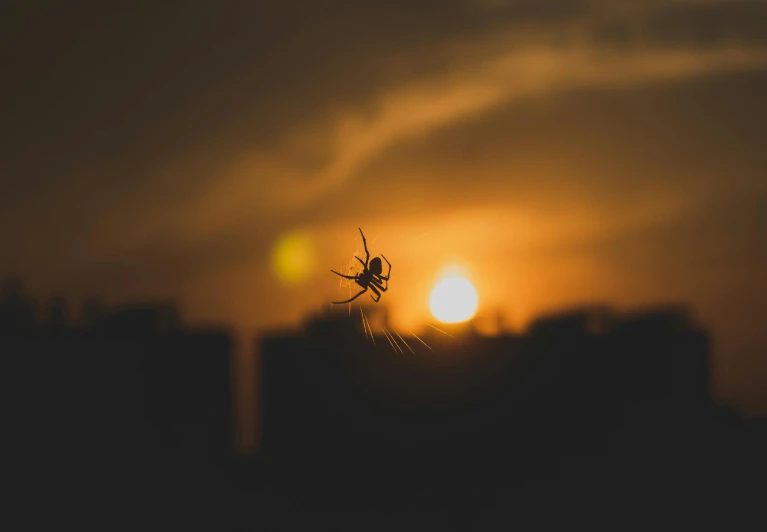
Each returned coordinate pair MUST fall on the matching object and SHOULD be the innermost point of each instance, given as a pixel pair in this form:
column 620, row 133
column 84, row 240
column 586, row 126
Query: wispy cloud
column 264, row 187
column 262, row 184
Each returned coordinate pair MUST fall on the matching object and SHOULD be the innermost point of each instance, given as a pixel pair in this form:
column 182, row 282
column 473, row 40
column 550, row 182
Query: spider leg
column 345, row 276
column 378, row 279
column 361, row 261
column 377, row 284
column 386, row 278
column 373, row 288
column 365, row 243
column 352, row 298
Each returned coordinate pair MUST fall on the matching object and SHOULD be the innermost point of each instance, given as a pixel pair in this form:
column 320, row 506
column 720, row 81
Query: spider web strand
column 369, row 328
column 364, row 327
column 403, row 340
column 440, row 330
column 390, row 341
column 419, row 339
column 395, row 341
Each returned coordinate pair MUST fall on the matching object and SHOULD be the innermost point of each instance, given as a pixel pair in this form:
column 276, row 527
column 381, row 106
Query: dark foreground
column 591, row 418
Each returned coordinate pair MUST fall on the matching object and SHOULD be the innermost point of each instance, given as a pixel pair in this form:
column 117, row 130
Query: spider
column 370, row 276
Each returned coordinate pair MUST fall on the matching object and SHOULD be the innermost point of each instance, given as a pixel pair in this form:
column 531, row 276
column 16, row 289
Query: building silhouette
column 591, row 411
column 114, row 398
column 590, row 383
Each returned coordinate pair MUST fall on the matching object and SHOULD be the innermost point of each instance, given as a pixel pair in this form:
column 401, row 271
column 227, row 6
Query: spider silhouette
column 370, row 276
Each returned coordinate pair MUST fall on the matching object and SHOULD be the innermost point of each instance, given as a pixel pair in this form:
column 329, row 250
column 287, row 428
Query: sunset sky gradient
column 560, row 152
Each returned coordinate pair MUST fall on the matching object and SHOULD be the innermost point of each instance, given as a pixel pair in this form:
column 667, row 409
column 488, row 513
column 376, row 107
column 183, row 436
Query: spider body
column 370, row 277
column 376, row 267
column 364, row 278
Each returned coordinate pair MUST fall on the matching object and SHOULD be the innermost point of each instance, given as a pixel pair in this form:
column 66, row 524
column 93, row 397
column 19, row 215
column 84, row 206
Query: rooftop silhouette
column 590, row 402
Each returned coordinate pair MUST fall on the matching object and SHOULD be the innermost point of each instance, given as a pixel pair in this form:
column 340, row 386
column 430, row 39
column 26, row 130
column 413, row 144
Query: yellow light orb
column 292, row 258
column 453, row 300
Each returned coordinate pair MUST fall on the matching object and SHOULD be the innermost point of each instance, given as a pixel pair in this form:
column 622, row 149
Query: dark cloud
column 99, row 98
column 701, row 24
column 146, row 79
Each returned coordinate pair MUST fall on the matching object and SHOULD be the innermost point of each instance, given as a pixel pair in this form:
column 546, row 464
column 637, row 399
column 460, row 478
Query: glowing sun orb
column 453, row 300
column 292, row 258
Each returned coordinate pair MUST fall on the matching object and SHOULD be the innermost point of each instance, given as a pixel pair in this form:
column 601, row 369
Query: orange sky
column 561, row 151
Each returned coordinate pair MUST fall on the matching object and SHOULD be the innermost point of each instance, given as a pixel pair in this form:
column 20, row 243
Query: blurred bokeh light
column 292, row 258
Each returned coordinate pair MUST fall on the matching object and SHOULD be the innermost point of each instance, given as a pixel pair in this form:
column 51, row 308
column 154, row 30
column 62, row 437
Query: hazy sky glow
column 560, row 151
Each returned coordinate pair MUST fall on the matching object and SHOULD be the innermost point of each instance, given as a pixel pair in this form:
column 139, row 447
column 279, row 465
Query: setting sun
column 453, row 300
